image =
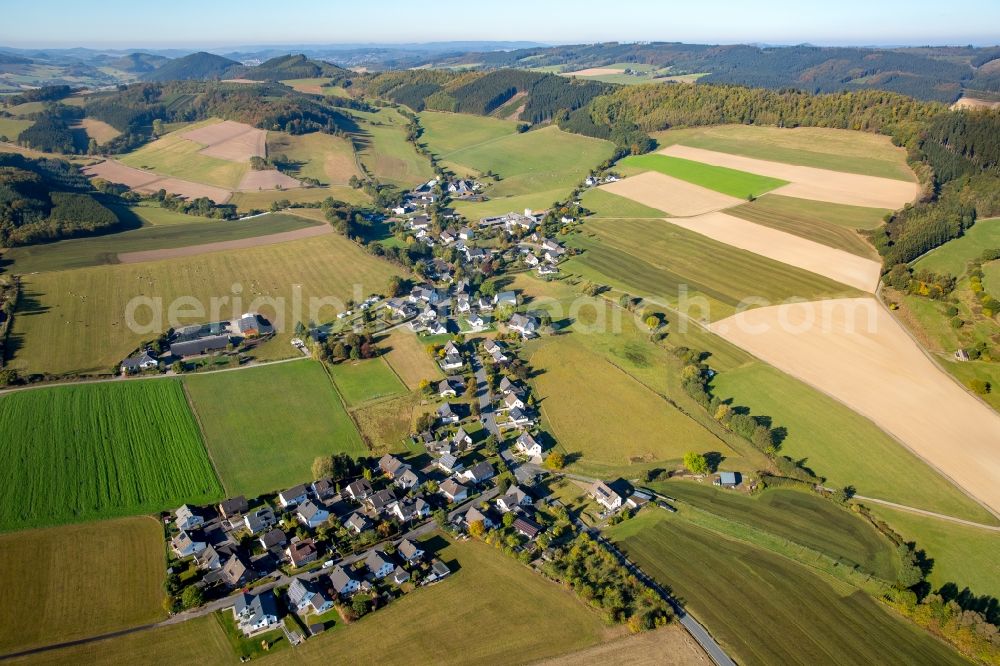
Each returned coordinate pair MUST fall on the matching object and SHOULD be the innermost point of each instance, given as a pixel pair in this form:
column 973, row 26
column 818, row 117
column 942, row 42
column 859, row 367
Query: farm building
column 200, row 346
column 729, row 479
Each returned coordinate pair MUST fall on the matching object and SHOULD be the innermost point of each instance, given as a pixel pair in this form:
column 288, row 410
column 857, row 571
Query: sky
column 221, row 23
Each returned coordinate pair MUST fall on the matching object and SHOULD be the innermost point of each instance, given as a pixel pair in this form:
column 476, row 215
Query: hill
column 199, row 66
column 138, row 63
column 288, row 67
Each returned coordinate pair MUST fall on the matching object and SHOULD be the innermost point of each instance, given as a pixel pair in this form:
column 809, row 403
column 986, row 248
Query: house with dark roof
column 527, row 527
column 529, row 446
column 514, row 498
column 274, row 538
column 260, row 520
column 450, row 463
column 359, row 490
column 408, row 509
column 234, row 506
column 199, row 347
column 255, row 613
column 139, row 363
column 380, row 501
column 307, row 596
column 378, row 563
column 446, row 414
column 480, row 472
column 438, row 571
column 324, row 488
column 301, row 553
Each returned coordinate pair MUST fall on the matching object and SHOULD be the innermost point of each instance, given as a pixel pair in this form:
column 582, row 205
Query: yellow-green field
column 386, row 153
column 75, row 581
column 75, row 320
column 408, row 357
column 446, row 133
column 99, row 131
column 247, row 201
column 364, row 381
column 327, row 158
column 11, row 127
column 838, row 150
column 173, row 155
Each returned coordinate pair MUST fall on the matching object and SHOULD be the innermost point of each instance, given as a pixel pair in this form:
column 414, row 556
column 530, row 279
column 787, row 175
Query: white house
column 343, row 582
column 523, row 324
column 446, row 414
column 511, row 401
column 378, row 563
column 308, row 596
column 312, row 515
column 514, row 498
column 293, row 496
column 188, row 519
column 605, row 496
column 410, row 551
column 186, row 544
column 453, row 490
column 529, row 446
column 255, row 613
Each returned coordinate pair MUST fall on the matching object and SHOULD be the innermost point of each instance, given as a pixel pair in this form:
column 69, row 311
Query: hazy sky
column 215, row 23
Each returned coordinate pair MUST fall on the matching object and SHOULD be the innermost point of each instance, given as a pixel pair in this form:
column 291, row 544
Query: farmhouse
column 141, row 363
column 308, row 596
column 378, row 563
column 252, row 325
column 255, row 613
column 200, row 346
column 605, row 496
column 343, row 582
column 312, row 515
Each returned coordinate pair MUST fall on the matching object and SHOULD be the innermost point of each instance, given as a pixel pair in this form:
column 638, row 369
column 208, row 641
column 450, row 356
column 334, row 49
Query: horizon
column 229, row 25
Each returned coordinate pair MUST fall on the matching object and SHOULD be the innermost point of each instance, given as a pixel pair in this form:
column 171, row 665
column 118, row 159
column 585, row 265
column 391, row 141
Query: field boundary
column 204, row 437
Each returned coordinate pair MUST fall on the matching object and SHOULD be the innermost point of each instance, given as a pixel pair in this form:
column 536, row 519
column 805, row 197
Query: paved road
column 485, row 396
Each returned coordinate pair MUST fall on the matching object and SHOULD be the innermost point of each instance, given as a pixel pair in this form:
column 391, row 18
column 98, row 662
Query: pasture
column 75, row 320
column 801, row 517
column 385, row 152
column 363, row 381
column 605, row 419
column 262, row 200
column 963, row 555
column 446, row 133
column 408, row 357
column 265, row 426
column 385, row 425
column 772, row 609
column 738, row 184
column 863, row 153
column 953, row 256
column 93, row 578
column 11, row 127
column 839, row 444
column 542, row 160
column 810, row 182
column 486, row 584
column 150, row 182
column 175, row 155
column 105, row 249
column 834, row 225
column 91, row 451
column 327, row 158
column 671, row 265
column 856, row 352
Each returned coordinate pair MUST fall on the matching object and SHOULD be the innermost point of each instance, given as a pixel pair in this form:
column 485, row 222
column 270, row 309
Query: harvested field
column 667, row 646
column 973, row 103
column 409, row 359
column 229, row 140
column 269, row 179
column 99, row 131
column 810, row 182
column 44, row 569
column 838, row 265
column 149, row 182
column 594, row 71
column 671, row 195
column 732, row 182
column 855, row 351
column 240, row 244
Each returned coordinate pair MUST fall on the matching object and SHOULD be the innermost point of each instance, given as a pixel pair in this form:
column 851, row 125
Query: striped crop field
column 76, row 453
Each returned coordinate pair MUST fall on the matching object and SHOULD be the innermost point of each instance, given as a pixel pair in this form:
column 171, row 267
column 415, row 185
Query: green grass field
column 409, row 358
column 446, row 133
column 601, row 414
column 798, row 516
column 963, row 555
column 75, row 581
column 11, row 127
column 485, row 585
column 840, row 445
column 327, row 158
column 475, row 210
column 966, row 371
column 653, row 259
column 838, row 150
column 265, row 426
column 955, row 254
column 538, row 161
column 173, row 155
column 74, row 320
column 363, row 381
column 739, row 184
column 764, row 608
column 386, row 424
column 605, row 204
column 262, row 200
column 93, row 451
column 102, row 250
column 387, row 154
column 991, row 278
column 834, row 225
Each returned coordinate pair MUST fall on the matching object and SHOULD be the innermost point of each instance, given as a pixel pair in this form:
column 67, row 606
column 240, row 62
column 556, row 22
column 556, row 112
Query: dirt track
column 876, row 369
column 671, row 195
column 838, row 265
column 809, row 182
column 243, row 243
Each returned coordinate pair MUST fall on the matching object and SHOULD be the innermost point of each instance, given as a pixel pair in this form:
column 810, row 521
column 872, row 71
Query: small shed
column 730, row 479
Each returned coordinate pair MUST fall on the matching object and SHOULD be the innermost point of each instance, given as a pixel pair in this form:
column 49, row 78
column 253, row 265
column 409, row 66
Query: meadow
column 265, row 426
column 604, row 419
column 91, row 451
column 93, row 579
column 327, row 158
column 173, row 155
column 602, row 203
column 485, row 584
column 840, row 445
column 446, row 133
column 104, row 249
column 262, row 200
column 11, row 127
column 74, row 320
column 834, row 225
column 799, row 516
column 386, row 424
column 364, row 381
column 98, row 130
column 408, row 357
column 764, row 608
column 963, row 555
column 862, row 153
column 731, row 182
column 385, row 152
column 953, row 256
column 659, row 260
